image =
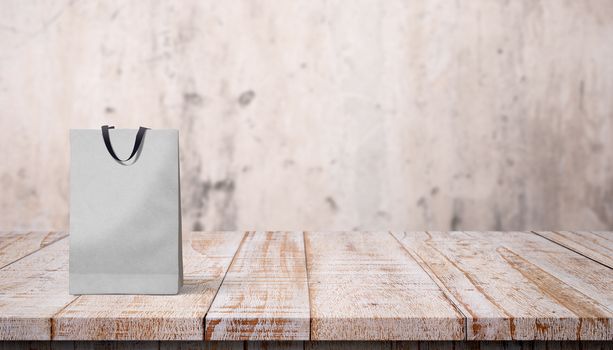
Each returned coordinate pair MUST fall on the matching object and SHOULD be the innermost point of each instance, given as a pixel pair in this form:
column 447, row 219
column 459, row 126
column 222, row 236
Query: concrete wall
column 323, row 115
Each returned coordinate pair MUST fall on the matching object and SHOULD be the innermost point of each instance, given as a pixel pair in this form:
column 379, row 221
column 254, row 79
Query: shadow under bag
column 125, row 212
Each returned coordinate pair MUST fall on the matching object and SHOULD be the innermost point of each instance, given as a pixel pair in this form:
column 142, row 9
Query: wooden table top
column 329, row 286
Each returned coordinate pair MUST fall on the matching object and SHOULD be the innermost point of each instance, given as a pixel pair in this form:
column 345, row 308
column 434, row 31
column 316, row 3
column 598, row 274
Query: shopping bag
column 125, row 212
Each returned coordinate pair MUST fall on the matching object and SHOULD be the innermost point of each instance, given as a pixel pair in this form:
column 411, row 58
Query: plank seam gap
column 34, row 251
column 571, row 249
column 240, row 245
column 436, row 280
column 52, row 318
column 306, row 267
column 50, row 233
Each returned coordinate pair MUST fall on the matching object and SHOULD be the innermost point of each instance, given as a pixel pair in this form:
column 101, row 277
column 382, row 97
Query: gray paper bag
column 125, row 216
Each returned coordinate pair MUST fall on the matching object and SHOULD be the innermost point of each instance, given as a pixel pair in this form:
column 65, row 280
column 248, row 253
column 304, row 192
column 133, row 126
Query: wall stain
column 382, row 214
column 456, row 217
column 197, row 226
column 427, row 216
column 217, row 196
column 332, row 204
column 193, row 99
column 246, row 97
column 497, row 220
column 434, row 191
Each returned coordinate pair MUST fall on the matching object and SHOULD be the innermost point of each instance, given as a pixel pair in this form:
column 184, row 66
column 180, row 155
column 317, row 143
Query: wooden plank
column 433, row 345
column 274, row 345
column 33, row 289
column 120, row 345
column 200, row 345
column 16, row 245
column 337, row 345
column 109, row 345
column 264, row 295
column 348, row 345
column 37, row 345
column 516, row 285
column 597, row 246
column 365, row 286
column 455, row 345
column 152, row 317
column 570, row 345
column 215, row 345
column 461, row 345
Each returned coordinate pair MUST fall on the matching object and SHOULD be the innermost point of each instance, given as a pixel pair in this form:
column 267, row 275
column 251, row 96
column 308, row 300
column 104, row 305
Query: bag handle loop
column 137, row 143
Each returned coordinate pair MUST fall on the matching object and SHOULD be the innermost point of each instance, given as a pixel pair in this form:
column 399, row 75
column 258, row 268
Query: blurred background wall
column 323, row 115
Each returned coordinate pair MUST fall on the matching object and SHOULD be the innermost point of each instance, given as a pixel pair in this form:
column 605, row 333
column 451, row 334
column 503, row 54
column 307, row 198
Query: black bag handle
column 137, row 143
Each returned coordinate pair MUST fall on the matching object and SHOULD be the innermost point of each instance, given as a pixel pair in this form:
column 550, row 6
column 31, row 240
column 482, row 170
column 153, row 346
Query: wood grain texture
column 275, row 345
column 154, row 317
column 435, row 345
column 348, row 345
column 79, row 345
column 264, row 295
column 357, row 286
column 516, row 285
column 200, row 345
column 365, row 286
column 597, row 246
column 108, row 345
column 32, row 290
column 338, row 345
column 34, row 345
column 16, row 245
column 460, row 345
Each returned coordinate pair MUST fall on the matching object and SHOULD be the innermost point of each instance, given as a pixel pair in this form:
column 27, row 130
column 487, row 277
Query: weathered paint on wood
column 366, row 286
column 155, row 317
column 16, row 245
column 511, row 285
column 597, row 245
column 264, row 295
column 515, row 285
column 32, row 290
